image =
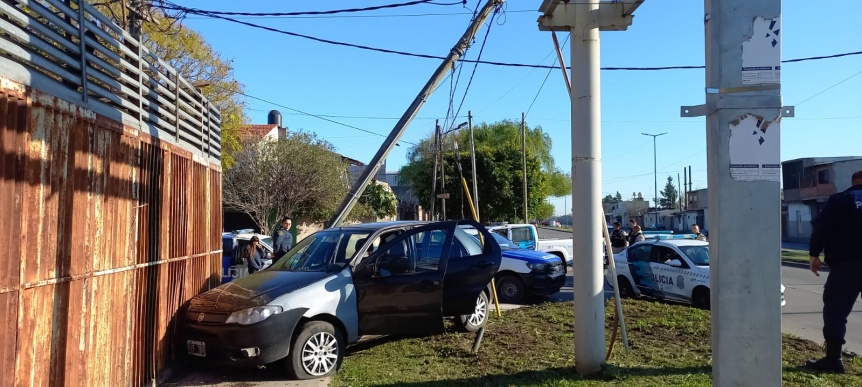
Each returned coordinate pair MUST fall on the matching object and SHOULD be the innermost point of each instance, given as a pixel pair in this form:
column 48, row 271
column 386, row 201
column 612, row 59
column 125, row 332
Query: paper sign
column 755, row 152
column 761, row 54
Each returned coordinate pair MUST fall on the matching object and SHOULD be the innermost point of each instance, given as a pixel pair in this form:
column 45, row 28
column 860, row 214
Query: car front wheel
column 477, row 320
column 317, row 351
column 510, row 289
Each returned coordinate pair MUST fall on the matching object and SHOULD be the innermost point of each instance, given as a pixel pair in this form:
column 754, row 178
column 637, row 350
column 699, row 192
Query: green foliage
column 499, row 167
column 299, row 176
column 543, row 210
column 378, row 201
column 669, row 195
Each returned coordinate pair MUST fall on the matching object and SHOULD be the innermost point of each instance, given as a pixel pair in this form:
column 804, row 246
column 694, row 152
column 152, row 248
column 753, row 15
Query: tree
column 194, row 59
column 612, row 199
column 669, row 195
column 618, row 197
column 499, row 168
column 544, row 210
column 376, row 202
column 296, row 176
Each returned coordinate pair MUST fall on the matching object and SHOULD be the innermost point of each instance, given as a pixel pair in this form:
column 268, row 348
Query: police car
column 231, row 243
column 672, row 267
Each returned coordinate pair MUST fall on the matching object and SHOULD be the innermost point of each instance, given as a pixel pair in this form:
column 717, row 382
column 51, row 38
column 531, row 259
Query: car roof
column 381, row 225
column 683, row 242
column 244, row 236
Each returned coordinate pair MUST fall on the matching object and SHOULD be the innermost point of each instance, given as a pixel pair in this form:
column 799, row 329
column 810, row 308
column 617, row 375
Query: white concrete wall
column 843, row 171
column 798, row 221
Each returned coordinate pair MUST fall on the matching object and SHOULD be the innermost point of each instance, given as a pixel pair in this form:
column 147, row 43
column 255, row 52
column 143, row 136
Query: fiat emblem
column 200, row 317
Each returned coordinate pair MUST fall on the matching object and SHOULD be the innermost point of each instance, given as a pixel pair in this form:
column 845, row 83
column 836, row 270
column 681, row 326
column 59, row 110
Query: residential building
column 623, row 211
column 808, row 183
column 697, row 202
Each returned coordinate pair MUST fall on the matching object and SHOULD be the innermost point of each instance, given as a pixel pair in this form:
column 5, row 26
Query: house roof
column 254, row 131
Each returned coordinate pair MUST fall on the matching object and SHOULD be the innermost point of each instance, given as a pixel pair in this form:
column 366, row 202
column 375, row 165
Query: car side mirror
column 675, row 263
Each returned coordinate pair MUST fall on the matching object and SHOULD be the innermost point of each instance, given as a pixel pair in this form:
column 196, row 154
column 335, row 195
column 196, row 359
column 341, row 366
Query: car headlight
column 253, row 315
column 537, row 266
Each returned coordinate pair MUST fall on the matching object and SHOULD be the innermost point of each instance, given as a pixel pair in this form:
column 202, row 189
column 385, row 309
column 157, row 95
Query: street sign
column 443, row 196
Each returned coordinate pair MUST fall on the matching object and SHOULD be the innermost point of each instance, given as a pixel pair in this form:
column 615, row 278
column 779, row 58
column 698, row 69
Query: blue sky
column 350, row 83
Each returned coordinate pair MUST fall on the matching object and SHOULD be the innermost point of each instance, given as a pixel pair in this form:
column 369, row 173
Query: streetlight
column 655, row 172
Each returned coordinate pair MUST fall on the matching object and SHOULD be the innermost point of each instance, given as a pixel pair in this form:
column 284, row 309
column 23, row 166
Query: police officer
column 282, row 238
column 619, row 239
column 695, row 229
column 836, row 232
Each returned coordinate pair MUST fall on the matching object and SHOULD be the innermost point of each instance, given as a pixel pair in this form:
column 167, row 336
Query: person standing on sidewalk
column 836, row 231
column 282, row 238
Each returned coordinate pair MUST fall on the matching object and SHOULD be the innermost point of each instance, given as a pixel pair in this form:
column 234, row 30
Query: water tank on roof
column 274, row 118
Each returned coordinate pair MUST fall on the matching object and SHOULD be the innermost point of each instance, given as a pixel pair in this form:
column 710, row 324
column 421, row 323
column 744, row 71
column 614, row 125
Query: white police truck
column 672, row 267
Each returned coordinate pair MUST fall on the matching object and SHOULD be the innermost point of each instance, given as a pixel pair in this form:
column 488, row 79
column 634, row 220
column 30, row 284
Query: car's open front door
column 400, row 287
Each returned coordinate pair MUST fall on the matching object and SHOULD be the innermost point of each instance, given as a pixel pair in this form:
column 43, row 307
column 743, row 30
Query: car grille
column 206, row 318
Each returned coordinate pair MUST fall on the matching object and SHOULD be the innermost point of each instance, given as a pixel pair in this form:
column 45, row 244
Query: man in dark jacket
column 836, row 232
column 282, row 238
column 619, row 239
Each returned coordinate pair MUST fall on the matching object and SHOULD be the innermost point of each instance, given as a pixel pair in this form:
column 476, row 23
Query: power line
column 486, row 62
column 829, row 88
column 363, row 16
column 476, row 65
column 317, row 116
column 176, row 7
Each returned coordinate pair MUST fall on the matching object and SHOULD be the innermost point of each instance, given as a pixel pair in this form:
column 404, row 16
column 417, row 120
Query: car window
column 664, row 254
column 418, row 251
column 521, row 234
column 504, row 243
column 699, row 255
column 227, row 245
column 348, row 245
column 267, row 241
column 639, row 253
column 464, row 245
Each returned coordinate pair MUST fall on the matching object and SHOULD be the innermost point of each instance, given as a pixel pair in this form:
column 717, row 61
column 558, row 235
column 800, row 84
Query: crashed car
column 334, row 286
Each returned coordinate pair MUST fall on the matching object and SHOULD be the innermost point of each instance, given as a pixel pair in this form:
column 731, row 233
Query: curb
column 801, row 265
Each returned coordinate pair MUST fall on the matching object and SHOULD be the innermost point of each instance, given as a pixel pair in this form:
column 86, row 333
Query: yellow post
column 476, row 218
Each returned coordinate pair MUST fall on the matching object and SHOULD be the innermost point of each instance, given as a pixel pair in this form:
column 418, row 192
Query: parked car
column 672, row 267
column 396, row 278
column 527, row 237
column 231, row 243
column 526, row 272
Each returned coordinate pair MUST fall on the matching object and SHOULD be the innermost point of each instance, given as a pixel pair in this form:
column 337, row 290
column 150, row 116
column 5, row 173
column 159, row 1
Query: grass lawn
column 534, row 347
column 794, row 255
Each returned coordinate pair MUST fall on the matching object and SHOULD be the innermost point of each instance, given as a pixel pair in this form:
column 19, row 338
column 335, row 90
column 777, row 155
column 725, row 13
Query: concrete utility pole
column 397, row 131
column 434, row 173
column 443, row 192
column 583, row 19
column 473, row 162
column 524, row 159
column 655, row 173
column 744, row 109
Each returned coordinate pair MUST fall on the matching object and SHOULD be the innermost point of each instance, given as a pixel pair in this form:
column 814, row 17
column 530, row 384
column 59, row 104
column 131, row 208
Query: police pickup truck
column 672, row 267
column 525, row 272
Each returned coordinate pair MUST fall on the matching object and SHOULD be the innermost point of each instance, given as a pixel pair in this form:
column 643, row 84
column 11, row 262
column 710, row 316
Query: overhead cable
column 175, row 7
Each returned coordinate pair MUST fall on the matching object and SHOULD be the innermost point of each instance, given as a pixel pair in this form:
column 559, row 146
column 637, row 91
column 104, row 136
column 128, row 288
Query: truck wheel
column 316, row 352
column 477, row 320
column 510, row 289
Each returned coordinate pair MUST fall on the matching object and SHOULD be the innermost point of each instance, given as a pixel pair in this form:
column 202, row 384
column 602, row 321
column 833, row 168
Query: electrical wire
column 175, row 7
column 318, row 117
column 486, row 62
column 475, row 65
column 829, row 88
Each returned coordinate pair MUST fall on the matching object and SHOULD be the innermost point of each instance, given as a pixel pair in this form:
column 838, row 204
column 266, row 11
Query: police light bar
column 673, row 236
column 244, row 231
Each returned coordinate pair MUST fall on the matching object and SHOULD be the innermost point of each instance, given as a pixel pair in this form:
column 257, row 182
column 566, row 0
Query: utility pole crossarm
column 397, row 131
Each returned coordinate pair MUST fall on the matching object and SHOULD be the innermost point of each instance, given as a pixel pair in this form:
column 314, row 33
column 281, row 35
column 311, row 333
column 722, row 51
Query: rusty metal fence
column 110, row 200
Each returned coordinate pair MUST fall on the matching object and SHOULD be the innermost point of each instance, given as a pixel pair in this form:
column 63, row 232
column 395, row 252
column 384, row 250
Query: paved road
column 802, row 316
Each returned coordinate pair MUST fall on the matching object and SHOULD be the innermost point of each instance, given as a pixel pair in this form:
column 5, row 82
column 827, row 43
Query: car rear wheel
column 510, row 289
column 700, row 298
column 626, row 289
column 317, row 351
column 477, row 320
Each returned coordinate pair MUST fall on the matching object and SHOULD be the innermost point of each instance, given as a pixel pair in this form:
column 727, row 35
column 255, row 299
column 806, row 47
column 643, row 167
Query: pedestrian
column 282, row 238
column 253, row 254
column 695, row 229
column 836, row 231
column 619, row 239
column 637, row 235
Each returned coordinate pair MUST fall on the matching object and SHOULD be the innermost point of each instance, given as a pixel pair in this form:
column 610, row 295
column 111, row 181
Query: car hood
column 253, row 290
column 530, row 256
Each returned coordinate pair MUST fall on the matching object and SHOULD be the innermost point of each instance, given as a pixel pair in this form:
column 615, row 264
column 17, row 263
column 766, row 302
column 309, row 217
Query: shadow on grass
column 553, row 375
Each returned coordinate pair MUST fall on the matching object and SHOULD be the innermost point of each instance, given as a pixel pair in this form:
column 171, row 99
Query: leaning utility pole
column 434, row 177
column 524, row 159
column 473, row 162
column 583, row 19
column 397, row 131
column 744, row 110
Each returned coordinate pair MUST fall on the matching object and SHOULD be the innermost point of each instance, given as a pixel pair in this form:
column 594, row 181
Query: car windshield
column 699, row 255
column 318, row 251
column 267, row 241
column 504, row 243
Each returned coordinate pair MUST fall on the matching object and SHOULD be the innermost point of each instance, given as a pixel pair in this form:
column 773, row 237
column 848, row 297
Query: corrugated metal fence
column 110, row 200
